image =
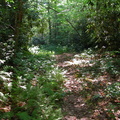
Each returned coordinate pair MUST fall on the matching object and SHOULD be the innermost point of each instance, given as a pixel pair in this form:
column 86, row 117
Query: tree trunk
column 18, row 24
column 49, row 22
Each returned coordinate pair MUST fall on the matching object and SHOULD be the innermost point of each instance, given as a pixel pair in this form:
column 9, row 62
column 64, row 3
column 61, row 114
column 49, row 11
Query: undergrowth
column 35, row 92
column 102, row 75
column 58, row 49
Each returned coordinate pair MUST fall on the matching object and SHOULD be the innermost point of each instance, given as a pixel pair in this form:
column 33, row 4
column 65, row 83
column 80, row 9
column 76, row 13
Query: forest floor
column 86, row 87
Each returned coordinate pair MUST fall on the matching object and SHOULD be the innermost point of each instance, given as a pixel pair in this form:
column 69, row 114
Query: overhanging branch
column 65, row 19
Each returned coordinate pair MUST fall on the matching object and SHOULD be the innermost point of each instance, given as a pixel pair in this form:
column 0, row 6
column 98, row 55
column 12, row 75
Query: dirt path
column 85, row 96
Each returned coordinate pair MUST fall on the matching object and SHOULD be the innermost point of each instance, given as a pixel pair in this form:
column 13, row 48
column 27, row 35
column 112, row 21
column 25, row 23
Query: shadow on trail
column 86, row 81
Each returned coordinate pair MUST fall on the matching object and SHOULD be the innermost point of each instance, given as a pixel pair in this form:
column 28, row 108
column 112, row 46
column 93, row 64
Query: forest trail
column 84, row 89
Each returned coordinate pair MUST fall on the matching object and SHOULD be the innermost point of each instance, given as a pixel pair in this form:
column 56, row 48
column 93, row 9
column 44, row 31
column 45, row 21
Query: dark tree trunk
column 49, row 22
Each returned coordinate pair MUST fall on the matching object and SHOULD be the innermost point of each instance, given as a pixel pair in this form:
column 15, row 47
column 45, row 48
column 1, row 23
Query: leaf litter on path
column 85, row 99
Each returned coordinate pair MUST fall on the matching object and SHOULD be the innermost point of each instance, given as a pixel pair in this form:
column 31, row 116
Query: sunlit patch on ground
column 86, row 80
column 34, row 49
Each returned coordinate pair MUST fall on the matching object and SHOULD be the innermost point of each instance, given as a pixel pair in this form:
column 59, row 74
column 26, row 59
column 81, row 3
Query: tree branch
column 65, row 19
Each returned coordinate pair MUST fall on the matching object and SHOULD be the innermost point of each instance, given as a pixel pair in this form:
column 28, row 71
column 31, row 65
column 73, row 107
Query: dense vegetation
column 32, row 32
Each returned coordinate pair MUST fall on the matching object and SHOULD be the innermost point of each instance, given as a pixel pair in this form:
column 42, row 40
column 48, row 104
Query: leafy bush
column 113, row 90
column 58, row 49
column 36, row 89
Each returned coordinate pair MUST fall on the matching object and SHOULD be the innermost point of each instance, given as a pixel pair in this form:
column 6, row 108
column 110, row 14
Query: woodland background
column 33, row 31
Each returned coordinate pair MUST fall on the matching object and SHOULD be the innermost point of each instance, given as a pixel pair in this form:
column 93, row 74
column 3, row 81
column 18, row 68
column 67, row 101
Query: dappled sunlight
column 87, row 84
column 37, row 50
column 76, row 61
column 59, row 60
column 34, row 49
column 37, row 85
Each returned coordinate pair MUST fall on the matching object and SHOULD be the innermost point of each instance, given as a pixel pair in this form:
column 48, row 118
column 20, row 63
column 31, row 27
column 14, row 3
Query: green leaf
column 24, row 116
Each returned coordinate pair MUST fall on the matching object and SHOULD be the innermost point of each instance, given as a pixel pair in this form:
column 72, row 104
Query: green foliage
column 38, row 89
column 58, row 49
column 113, row 90
column 104, row 23
column 82, row 41
column 75, row 24
column 106, row 63
column 7, row 115
column 30, row 82
column 24, row 116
